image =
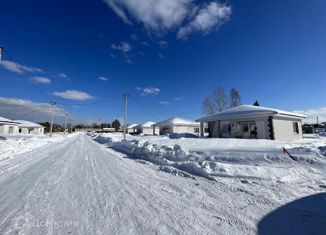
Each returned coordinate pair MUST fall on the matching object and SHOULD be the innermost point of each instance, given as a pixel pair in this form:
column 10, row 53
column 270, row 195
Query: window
column 206, row 130
column 295, row 128
column 196, row 130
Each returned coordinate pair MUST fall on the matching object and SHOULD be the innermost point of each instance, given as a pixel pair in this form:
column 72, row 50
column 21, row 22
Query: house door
column 11, row 130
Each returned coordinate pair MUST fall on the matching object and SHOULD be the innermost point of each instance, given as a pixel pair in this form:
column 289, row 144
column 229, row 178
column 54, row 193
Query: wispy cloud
column 74, row 95
column 160, row 55
column 148, row 90
column 18, row 68
column 163, row 44
column 166, row 103
column 183, row 16
column 124, row 47
column 178, row 99
column 43, row 80
column 208, row 18
column 13, row 108
column 102, row 78
column 62, row 75
column 313, row 114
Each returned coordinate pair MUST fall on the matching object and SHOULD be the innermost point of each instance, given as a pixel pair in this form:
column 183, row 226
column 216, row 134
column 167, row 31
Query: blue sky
column 168, row 56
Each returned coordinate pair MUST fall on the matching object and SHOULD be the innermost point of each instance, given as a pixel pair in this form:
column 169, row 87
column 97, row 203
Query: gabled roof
column 6, row 120
column 132, row 125
column 176, row 121
column 23, row 123
column 242, row 111
column 147, row 124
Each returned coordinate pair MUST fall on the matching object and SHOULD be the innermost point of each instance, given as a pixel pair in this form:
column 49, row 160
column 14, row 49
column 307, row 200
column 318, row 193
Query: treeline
column 219, row 100
column 115, row 124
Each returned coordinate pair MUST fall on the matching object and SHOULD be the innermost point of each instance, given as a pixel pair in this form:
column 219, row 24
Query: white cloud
column 177, row 99
column 18, row 68
column 160, row 16
column 27, row 110
column 166, row 103
column 102, row 78
column 124, row 47
column 208, row 18
column 74, row 95
column 43, row 80
column 148, row 90
column 313, row 114
column 62, row 75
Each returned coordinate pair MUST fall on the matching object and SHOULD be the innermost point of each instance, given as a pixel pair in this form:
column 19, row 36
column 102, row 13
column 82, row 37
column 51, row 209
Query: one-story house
column 27, row 127
column 147, row 128
column 131, row 129
column 178, row 126
column 8, row 126
column 248, row 121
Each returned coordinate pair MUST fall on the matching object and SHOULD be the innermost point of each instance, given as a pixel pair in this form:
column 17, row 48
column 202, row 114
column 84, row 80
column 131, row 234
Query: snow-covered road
column 81, row 187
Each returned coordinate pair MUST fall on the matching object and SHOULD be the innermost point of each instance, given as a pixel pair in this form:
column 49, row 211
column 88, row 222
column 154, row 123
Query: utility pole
column 65, row 122
column 1, row 52
column 317, row 122
column 52, row 114
column 125, row 116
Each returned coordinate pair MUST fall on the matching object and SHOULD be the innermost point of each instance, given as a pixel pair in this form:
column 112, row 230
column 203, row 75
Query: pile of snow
column 232, row 158
column 17, row 144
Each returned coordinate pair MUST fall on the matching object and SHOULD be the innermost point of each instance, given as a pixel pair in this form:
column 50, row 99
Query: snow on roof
column 2, row 119
column 176, row 121
column 23, row 123
column 132, row 125
column 248, row 111
column 147, row 124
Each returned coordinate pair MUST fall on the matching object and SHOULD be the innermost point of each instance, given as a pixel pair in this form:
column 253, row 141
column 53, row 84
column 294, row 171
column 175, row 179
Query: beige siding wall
column 283, row 129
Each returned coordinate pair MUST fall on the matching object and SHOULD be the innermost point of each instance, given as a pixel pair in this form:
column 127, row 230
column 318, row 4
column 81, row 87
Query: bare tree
column 235, row 99
column 209, row 106
column 220, row 99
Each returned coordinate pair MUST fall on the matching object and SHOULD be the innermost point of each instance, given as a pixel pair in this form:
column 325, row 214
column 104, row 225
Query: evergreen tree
column 116, row 125
column 256, row 103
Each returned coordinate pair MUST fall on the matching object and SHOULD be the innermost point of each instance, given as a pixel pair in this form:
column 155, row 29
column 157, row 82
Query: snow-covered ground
column 21, row 143
column 157, row 185
column 233, row 158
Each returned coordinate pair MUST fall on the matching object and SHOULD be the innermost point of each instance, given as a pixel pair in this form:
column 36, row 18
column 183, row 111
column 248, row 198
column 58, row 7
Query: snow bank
column 232, row 158
column 17, row 144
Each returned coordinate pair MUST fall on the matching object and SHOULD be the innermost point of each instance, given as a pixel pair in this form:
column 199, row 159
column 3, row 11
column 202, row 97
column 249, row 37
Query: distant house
column 108, row 129
column 8, row 126
column 26, row 127
column 178, row 126
column 247, row 121
column 131, row 129
column 147, row 129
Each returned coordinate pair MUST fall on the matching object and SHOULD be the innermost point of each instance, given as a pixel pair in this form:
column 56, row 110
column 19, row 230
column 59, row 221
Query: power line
column 92, row 103
column 154, row 114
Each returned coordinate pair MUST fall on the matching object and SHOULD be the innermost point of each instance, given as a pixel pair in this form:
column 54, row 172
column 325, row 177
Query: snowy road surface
column 81, row 187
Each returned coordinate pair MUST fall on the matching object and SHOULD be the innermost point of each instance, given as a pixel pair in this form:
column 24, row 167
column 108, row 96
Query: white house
column 131, row 129
column 178, row 126
column 147, row 129
column 8, row 126
column 26, row 127
column 248, row 121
